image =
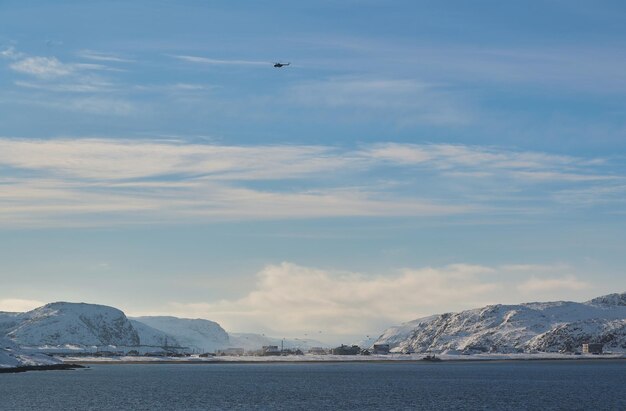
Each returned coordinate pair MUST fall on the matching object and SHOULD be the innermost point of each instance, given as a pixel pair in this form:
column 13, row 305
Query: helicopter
column 279, row 65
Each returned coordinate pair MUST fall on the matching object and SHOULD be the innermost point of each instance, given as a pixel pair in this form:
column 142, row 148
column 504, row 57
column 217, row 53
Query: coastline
column 72, row 363
column 46, row 367
column 334, row 360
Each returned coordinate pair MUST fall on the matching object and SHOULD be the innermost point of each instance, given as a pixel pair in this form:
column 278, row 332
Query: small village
column 264, row 351
column 170, row 352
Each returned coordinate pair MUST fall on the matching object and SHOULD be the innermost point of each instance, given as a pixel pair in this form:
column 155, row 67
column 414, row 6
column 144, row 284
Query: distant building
column 592, row 348
column 230, row 351
column 381, row 349
column 292, row 351
column 346, row 350
column 317, row 351
column 270, row 350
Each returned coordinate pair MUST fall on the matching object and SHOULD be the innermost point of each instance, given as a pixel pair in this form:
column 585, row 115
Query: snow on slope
column 149, row 336
column 72, row 323
column 199, row 334
column 8, row 321
column 11, row 356
column 545, row 327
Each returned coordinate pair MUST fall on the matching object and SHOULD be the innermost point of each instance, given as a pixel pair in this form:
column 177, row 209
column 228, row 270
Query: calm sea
column 537, row 385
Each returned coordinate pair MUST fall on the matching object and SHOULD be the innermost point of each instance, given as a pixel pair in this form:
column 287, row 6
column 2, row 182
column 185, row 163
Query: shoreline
column 47, row 367
column 338, row 361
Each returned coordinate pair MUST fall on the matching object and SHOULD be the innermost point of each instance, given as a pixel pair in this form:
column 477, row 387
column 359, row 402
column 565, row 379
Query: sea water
column 516, row 385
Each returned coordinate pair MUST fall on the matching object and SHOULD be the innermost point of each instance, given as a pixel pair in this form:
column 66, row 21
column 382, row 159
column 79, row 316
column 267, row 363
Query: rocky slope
column 532, row 327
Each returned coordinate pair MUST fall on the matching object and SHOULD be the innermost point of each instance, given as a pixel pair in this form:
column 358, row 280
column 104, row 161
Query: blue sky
column 416, row 157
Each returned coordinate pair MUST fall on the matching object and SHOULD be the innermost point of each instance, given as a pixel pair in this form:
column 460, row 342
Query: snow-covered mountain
column 64, row 323
column 198, row 334
column 85, row 325
column 530, row 327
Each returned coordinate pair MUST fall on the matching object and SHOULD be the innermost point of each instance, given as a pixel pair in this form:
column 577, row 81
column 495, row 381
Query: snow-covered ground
column 11, row 356
column 341, row 358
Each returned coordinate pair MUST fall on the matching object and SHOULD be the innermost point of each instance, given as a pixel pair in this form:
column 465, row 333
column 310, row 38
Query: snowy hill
column 80, row 325
column 8, row 321
column 64, row 325
column 151, row 337
column 69, row 323
column 198, row 334
column 531, row 327
column 11, row 356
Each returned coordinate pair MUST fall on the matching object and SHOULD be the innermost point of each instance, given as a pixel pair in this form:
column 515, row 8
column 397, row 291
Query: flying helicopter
column 279, row 65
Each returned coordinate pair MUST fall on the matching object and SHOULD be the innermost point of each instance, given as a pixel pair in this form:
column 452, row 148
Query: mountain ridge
column 559, row 326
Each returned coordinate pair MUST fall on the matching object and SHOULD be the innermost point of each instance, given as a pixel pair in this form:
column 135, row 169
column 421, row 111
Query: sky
column 416, row 157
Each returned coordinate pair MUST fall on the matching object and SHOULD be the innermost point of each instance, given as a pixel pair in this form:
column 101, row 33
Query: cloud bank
column 301, row 300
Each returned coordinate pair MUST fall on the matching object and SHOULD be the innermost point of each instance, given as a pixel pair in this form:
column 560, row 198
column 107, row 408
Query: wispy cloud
column 79, row 87
column 43, row 67
column 48, row 73
column 483, row 162
column 588, row 67
column 404, row 102
column 106, row 57
column 11, row 53
column 121, row 181
column 206, row 60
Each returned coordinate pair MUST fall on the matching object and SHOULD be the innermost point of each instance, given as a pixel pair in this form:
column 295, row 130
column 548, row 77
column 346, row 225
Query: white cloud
column 124, row 159
column 295, row 300
column 11, row 53
column 43, row 67
column 298, row 300
column 19, row 305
